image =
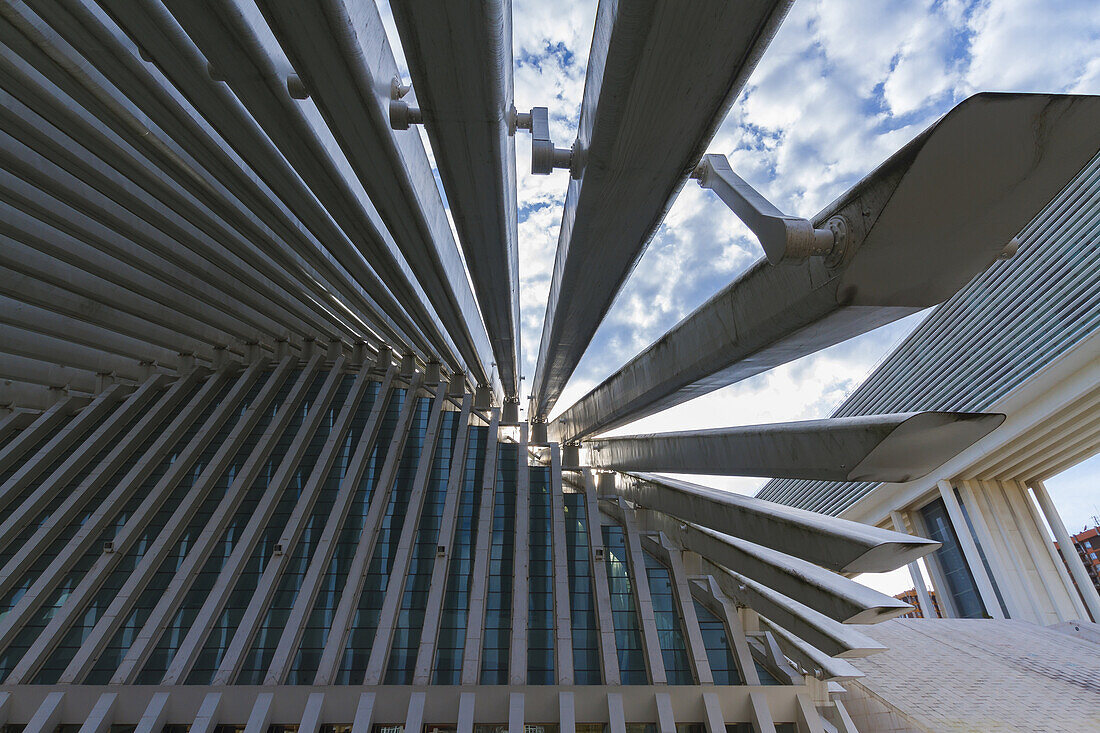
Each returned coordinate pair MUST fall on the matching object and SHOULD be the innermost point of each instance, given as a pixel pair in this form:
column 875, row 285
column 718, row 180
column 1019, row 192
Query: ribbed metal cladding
column 987, row 340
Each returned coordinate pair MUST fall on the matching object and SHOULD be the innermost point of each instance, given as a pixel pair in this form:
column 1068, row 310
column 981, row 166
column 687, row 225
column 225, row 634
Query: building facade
column 306, row 536
column 1087, row 544
column 262, row 467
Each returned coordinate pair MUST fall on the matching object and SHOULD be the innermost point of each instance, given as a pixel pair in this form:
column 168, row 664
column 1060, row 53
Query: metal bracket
column 402, row 115
column 544, row 156
column 783, row 237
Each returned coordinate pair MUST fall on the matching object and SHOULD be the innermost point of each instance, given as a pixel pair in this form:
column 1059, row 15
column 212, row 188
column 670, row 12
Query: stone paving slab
column 984, row 675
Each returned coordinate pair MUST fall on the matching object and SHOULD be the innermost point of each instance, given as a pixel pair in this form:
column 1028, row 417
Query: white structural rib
column 460, row 57
column 895, row 448
column 661, row 77
column 918, row 229
column 836, row 544
column 340, row 51
column 824, row 591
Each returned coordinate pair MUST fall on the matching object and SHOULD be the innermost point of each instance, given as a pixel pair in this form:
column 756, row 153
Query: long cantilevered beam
column 414, row 269
column 836, row 544
column 460, row 58
column 340, row 50
column 892, row 448
column 917, row 230
column 834, row 595
column 661, row 77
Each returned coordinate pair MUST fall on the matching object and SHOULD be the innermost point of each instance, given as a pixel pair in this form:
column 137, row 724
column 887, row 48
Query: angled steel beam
column 460, row 58
column 305, row 180
column 829, row 593
column 832, row 543
column 661, row 77
column 273, row 194
column 917, row 229
column 339, row 50
column 892, row 448
column 831, row 637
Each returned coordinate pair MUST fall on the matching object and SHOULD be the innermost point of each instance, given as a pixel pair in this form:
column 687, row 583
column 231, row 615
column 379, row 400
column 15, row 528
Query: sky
column 843, row 85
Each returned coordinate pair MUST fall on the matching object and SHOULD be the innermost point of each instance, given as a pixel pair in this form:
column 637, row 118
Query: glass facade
column 290, row 583
column 624, row 611
column 451, row 639
column 319, row 623
column 716, row 641
column 410, row 617
column 365, row 621
column 186, row 611
column 173, row 554
column 169, row 511
column 540, row 583
column 498, row 599
column 225, row 626
column 670, row 628
column 956, row 573
column 582, row 602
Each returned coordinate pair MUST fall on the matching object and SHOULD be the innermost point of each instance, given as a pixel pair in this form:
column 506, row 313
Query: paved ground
column 979, row 675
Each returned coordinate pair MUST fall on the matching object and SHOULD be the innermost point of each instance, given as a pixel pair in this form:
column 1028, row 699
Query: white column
column 1085, row 585
column 1012, row 548
column 1054, row 581
column 515, row 712
column 1042, row 593
column 609, row 653
column 414, row 717
column 230, row 572
column 809, row 720
column 521, row 567
column 479, row 576
column 741, row 651
column 312, row 713
column 102, row 714
column 696, row 647
column 156, row 712
column 258, row 604
column 260, row 716
column 563, row 630
column 616, row 716
column 844, row 720
column 1056, row 565
column 107, row 434
column 712, row 709
column 567, row 711
column 969, row 491
column 207, row 717
column 62, row 443
column 970, row 551
column 103, row 565
column 666, row 721
column 466, row 712
column 761, row 714
column 45, row 718
column 364, row 714
column 349, row 598
column 927, row 608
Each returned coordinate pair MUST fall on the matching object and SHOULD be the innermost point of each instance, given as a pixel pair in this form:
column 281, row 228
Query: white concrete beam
column 640, row 132
column 833, row 543
column 893, row 448
column 773, row 314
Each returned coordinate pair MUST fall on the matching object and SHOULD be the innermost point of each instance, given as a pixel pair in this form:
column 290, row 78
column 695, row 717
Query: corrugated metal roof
column 989, row 338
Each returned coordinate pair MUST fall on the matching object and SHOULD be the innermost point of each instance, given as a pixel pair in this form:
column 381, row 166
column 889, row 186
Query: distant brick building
column 910, row 597
column 1088, row 548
